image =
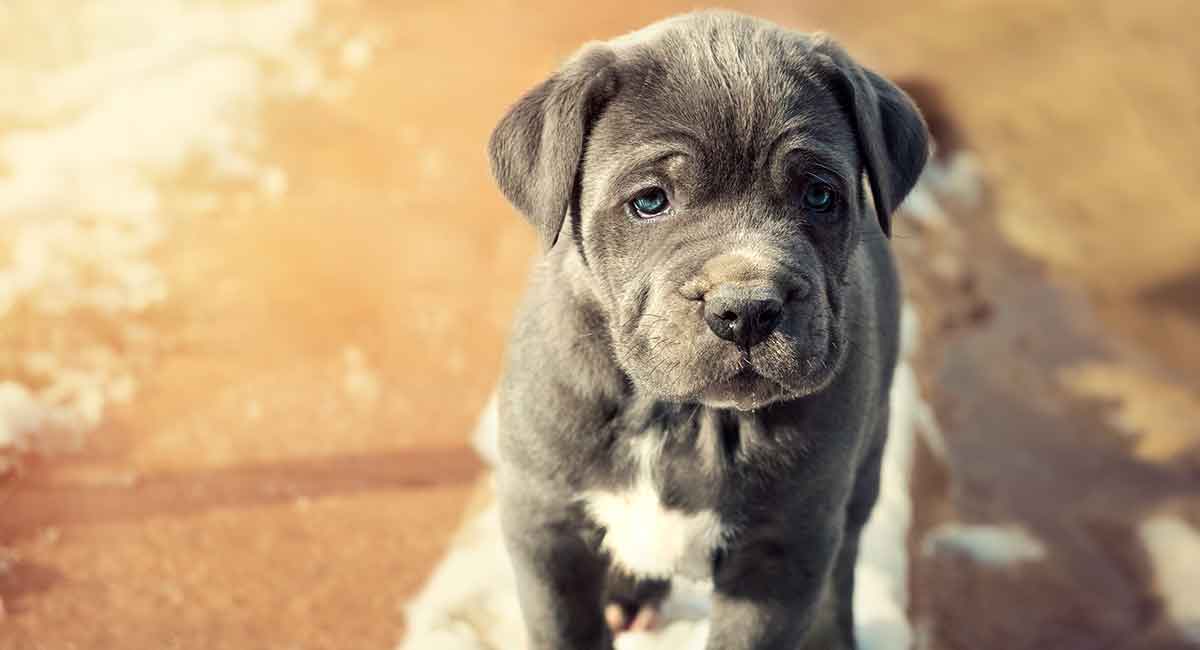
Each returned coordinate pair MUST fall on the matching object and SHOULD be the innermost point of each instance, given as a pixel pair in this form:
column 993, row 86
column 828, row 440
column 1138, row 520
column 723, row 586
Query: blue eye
column 650, row 203
column 819, row 197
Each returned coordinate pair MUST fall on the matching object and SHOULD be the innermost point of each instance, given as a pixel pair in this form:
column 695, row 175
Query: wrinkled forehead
column 737, row 93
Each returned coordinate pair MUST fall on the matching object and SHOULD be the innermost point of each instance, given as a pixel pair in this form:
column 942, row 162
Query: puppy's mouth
column 745, row 390
column 756, row 381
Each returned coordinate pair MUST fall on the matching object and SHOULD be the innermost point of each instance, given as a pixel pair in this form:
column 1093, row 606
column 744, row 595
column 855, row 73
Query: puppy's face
column 718, row 209
column 717, row 201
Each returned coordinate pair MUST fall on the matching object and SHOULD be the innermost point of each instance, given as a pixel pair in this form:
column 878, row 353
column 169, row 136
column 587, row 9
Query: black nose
column 742, row 316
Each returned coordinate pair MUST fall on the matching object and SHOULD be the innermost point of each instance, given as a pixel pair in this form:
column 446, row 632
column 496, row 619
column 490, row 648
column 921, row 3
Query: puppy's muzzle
column 743, row 315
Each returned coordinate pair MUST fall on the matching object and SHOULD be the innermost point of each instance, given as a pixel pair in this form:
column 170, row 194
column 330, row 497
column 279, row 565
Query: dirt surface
column 297, row 457
column 1022, row 449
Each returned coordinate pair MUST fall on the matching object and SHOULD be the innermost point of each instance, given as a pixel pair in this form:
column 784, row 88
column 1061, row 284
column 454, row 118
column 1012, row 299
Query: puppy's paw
column 633, row 603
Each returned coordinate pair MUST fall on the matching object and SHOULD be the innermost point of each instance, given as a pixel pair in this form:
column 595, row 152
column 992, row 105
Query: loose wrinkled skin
column 733, row 118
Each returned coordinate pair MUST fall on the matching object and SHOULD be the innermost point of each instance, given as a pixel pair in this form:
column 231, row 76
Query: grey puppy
column 697, row 382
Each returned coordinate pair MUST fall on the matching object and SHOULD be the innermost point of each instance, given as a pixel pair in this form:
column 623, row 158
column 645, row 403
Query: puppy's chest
column 649, row 529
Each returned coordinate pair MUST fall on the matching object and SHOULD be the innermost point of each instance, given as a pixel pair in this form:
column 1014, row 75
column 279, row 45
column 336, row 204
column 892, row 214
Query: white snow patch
column 997, row 546
column 109, row 97
column 20, row 414
column 359, row 381
column 486, row 437
column 470, row 601
column 432, row 164
column 881, row 577
column 357, row 53
column 922, row 204
column 273, row 183
column 960, row 179
column 1174, row 549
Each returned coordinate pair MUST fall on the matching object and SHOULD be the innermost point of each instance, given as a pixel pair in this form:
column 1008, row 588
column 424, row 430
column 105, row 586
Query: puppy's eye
column 819, row 197
column 650, row 203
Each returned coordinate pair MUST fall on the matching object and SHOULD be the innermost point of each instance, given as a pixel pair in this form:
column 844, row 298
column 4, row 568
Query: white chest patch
column 652, row 541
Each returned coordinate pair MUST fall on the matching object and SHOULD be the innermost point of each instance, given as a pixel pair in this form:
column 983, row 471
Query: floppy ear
column 892, row 135
column 537, row 147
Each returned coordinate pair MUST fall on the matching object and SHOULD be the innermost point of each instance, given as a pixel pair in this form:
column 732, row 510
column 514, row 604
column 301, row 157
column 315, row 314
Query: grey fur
column 732, row 116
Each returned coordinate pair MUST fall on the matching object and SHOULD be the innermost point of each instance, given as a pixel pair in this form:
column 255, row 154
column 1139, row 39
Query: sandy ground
column 295, row 458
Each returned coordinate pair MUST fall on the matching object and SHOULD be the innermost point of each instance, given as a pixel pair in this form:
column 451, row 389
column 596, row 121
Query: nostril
column 769, row 315
column 729, row 316
column 800, row 292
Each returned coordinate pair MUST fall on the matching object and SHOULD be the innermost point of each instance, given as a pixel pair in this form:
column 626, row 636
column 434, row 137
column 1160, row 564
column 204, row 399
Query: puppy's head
column 707, row 171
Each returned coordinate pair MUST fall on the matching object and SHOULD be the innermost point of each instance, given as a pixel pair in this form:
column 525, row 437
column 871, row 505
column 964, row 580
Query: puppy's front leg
column 767, row 594
column 560, row 574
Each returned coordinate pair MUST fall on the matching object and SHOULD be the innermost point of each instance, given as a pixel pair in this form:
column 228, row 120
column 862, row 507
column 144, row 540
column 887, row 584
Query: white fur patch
column 649, row 539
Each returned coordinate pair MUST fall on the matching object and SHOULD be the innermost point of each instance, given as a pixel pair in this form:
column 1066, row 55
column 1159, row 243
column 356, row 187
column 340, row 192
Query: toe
column 614, row 614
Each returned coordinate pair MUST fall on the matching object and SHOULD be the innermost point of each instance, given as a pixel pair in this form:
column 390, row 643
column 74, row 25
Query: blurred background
column 255, row 282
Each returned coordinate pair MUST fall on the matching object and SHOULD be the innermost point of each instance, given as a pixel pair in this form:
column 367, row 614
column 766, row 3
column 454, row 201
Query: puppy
column 697, row 381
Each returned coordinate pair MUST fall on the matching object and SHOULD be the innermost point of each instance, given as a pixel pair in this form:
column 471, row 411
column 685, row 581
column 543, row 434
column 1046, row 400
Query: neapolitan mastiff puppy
column 697, row 382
